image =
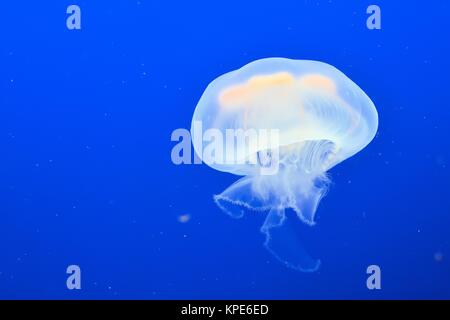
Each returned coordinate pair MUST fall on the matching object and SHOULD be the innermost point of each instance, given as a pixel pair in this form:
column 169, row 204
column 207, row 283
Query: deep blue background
column 86, row 176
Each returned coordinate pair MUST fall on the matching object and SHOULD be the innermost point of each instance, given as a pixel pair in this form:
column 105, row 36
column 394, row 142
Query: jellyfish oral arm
column 284, row 245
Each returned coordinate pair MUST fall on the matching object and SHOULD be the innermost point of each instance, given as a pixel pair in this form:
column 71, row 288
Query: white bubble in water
column 184, row 218
column 438, row 256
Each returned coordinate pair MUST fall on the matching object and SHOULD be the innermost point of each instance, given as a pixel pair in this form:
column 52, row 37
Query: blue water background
column 86, row 176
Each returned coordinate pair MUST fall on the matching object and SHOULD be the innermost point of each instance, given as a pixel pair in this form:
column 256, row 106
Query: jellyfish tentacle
column 274, row 218
column 305, row 200
column 282, row 243
column 240, row 196
column 303, row 178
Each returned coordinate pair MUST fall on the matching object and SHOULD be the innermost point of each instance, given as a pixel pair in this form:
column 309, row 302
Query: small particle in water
column 440, row 161
column 438, row 256
column 184, row 218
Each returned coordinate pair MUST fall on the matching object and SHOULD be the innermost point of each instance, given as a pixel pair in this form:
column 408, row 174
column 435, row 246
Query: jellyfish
column 319, row 118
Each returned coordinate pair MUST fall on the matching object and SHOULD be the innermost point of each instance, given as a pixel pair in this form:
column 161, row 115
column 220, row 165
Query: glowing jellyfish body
column 321, row 118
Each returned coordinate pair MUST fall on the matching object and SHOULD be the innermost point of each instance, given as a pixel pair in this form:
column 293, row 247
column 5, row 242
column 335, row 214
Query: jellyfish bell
column 317, row 118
